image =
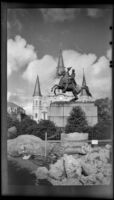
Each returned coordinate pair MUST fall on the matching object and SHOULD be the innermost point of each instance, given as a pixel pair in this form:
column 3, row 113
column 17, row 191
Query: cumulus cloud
column 100, row 80
column 20, row 99
column 28, row 108
column 94, row 12
column 45, row 68
column 59, row 14
column 19, row 54
column 78, row 61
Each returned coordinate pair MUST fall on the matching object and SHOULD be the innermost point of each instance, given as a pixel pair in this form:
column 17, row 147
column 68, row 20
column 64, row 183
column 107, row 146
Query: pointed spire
column 84, row 79
column 84, row 90
column 60, row 66
column 37, row 91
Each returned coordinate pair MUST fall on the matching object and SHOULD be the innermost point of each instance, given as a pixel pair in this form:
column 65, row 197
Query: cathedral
column 57, row 107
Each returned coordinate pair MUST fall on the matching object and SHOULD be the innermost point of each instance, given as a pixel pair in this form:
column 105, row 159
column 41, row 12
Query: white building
column 39, row 103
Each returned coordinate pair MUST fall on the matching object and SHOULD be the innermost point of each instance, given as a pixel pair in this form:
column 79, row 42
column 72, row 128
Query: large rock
column 108, row 146
column 25, row 144
column 106, row 169
column 72, row 166
column 56, row 170
column 104, row 155
column 65, row 181
column 88, row 169
column 75, row 136
column 56, row 151
column 42, row 173
column 89, row 180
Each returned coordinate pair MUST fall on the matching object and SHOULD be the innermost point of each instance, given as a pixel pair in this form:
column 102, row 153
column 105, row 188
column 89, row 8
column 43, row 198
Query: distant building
column 57, row 108
column 15, row 111
column 40, row 104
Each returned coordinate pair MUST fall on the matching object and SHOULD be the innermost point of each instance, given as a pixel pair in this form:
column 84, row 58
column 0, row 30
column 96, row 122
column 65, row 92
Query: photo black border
column 47, row 191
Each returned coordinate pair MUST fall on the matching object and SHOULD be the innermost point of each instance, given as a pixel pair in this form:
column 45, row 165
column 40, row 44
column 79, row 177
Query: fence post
column 45, row 144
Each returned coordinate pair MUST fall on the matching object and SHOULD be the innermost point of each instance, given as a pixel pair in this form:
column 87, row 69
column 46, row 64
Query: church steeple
column 85, row 90
column 84, row 79
column 60, row 66
column 37, row 91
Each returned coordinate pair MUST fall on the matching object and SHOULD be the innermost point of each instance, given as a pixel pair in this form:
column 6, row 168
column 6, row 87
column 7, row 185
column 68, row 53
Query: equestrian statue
column 67, row 83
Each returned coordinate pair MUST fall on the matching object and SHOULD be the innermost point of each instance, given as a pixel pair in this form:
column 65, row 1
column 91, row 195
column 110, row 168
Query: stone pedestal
column 59, row 112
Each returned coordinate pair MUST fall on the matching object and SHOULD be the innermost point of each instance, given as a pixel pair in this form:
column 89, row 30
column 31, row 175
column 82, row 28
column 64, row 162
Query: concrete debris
column 86, row 166
column 72, row 166
column 56, row 170
column 42, row 173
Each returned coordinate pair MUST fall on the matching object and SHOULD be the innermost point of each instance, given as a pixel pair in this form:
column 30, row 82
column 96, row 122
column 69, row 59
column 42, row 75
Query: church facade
column 57, row 108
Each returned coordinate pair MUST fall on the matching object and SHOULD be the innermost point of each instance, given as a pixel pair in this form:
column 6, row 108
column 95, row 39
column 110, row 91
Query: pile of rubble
column 91, row 167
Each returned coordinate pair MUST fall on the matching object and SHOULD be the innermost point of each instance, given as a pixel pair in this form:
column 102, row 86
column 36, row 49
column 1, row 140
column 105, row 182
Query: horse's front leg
column 55, row 90
column 52, row 88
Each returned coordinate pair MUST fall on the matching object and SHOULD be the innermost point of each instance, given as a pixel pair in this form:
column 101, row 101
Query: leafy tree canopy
column 44, row 126
column 27, row 125
column 76, row 121
column 104, row 110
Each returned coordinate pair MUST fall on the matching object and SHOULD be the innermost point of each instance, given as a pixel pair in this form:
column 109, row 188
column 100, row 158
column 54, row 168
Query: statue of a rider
column 67, row 78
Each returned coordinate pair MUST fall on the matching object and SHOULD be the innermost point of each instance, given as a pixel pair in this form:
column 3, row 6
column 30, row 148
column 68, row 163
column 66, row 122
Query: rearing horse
column 70, row 88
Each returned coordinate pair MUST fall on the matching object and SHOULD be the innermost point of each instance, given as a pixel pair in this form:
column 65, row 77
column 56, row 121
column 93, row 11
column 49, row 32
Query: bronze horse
column 70, row 87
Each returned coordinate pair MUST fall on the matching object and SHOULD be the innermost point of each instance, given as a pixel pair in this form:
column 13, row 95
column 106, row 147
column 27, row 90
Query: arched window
column 36, row 115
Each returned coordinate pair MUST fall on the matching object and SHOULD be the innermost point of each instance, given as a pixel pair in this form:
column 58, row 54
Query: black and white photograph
column 59, row 96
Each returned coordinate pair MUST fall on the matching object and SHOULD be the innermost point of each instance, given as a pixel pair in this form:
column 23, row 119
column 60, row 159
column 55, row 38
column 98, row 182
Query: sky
column 34, row 38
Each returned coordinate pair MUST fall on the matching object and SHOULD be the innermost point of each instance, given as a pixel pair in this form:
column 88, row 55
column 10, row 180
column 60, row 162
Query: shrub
column 102, row 130
column 12, row 133
column 12, row 122
column 44, row 126
column 27, row 126
column 76, row 121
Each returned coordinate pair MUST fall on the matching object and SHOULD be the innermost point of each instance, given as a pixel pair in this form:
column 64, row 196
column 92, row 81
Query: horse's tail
column 54, row 87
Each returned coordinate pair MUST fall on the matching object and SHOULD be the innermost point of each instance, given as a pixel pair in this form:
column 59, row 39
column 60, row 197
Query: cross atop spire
column 60, row 66
column 37, row 91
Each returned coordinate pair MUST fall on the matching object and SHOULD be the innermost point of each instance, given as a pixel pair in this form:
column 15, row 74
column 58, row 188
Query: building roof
column 37, row 91
column 13, row 105
column 60, row 66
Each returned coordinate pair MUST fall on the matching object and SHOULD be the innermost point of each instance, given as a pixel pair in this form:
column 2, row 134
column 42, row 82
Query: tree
column 43, row 127
column 12, row 122
column 76, row 121
column 27, row 125
column 104, row 110
column 102, row 130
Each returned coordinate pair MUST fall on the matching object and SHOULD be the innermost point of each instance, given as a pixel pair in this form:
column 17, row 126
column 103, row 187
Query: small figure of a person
column 73, row 77
column 66, row 77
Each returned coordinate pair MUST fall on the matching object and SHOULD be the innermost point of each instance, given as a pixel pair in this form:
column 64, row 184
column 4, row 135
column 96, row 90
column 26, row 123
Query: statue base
column 59, row 112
